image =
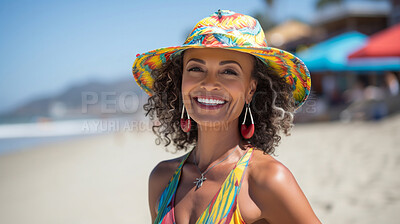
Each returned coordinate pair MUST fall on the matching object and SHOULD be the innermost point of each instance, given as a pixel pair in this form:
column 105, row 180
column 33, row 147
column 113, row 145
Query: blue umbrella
column 331, row 54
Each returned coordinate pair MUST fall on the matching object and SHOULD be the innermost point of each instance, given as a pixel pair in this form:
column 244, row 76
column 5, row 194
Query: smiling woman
column 224, row 76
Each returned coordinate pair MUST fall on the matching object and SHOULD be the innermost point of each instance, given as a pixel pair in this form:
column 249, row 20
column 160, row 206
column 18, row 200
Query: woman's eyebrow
column 197, row 60
column 221, row 63
column 228, row 62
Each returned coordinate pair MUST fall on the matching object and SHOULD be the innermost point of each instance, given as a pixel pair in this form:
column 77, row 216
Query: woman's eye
column 195, row 69
column 229, row 72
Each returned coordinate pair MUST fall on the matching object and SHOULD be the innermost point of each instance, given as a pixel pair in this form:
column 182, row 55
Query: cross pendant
column 199, row 181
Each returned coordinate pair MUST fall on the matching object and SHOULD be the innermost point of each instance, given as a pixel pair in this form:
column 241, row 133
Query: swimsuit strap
column 224, row 206
column 164, row 207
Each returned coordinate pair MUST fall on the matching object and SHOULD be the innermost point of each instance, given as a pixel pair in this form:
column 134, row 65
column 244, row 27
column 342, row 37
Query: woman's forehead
column 218, row 54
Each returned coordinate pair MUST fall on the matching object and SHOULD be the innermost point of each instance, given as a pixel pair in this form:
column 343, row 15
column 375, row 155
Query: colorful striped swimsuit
column 223, row 208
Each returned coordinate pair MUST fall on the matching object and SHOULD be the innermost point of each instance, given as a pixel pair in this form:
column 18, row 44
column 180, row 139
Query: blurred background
column 75, row 146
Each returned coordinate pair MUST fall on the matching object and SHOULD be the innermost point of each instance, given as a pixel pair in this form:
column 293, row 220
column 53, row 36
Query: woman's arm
column 277, row 194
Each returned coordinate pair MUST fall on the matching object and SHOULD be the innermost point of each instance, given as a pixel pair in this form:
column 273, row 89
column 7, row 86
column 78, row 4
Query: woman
column 224, row 76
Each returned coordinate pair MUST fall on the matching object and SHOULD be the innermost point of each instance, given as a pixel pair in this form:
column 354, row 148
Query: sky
column 47, row 46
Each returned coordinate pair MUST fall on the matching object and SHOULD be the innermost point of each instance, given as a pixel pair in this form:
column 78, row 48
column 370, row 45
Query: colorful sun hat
column 229, row 30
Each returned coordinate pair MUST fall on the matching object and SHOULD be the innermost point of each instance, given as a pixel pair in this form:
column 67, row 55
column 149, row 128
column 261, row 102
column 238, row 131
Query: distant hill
column 89, row 100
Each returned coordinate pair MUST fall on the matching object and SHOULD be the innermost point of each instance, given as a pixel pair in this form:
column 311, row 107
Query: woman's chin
column 215, row 123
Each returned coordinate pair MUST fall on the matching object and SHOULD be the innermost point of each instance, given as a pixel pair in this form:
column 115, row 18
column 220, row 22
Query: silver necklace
column 199, row 181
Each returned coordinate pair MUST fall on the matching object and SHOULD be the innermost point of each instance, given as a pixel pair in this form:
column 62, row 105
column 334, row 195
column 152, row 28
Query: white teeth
column 210, row 101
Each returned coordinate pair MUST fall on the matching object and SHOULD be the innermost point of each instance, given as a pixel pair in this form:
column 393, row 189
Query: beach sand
column 348, row 171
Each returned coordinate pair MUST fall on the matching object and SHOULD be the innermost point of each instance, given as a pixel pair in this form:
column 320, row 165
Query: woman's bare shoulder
column 276, row 191
column 158, row 180
column 165, row 169
column 265, row 170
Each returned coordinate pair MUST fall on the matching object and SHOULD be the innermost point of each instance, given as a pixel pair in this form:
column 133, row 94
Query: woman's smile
column 210, row 103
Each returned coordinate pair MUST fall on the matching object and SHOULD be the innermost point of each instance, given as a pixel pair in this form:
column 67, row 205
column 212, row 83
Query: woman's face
column 216, row 83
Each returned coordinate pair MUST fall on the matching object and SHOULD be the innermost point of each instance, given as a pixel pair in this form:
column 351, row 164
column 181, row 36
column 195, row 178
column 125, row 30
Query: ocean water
column 11, row 145
column 16, row 137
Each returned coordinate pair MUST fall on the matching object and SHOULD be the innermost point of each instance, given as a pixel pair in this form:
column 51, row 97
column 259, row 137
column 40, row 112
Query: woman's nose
column 210, row 81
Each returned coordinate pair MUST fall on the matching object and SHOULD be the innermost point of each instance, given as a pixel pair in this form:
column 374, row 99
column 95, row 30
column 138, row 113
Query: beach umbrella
column 381, row 52
column 331, row 54
column 382, row 44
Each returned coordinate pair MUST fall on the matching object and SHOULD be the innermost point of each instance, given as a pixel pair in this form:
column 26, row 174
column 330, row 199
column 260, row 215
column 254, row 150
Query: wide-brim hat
column 233, row 31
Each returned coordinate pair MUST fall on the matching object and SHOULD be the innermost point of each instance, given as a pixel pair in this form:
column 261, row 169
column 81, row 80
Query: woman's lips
column 208, row 107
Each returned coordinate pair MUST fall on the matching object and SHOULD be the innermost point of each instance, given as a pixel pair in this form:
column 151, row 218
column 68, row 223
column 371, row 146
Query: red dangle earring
column 247, row 131
column 185, row 123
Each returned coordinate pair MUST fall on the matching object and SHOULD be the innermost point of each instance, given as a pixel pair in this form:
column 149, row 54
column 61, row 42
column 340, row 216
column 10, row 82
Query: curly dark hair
column 272, row 107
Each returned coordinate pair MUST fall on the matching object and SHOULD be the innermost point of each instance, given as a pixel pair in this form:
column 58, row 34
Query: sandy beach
column 348, row 171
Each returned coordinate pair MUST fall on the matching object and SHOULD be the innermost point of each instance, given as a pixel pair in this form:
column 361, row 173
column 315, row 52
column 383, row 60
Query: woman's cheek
column 189, row 82
column 235, row 88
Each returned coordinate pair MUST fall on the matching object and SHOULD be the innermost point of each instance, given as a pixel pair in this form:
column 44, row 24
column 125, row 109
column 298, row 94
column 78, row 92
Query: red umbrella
column 383, row 44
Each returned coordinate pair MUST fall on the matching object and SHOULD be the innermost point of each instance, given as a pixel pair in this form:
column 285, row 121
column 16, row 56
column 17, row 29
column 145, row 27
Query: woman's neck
column 216, row 142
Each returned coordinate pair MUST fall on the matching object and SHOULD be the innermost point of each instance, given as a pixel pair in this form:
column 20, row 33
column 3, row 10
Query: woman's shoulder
column 276, row 191
column 165, row 169
column 158, row 180
column 266, row 171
